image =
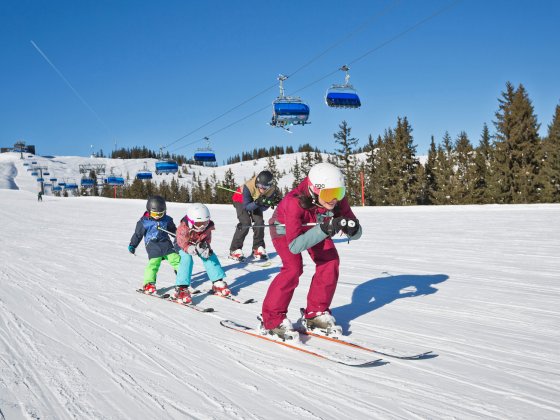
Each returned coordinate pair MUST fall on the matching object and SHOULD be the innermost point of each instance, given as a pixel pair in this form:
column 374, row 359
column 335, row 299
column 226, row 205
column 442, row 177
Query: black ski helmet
column 156, row 203
column 265, row 179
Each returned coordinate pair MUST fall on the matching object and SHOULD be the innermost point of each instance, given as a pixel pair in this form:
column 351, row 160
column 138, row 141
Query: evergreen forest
column 509, row 164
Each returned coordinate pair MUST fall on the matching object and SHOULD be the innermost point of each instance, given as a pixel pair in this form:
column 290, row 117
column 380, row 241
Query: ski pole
column 270, row 225
column 166, row 231
column 228, row 189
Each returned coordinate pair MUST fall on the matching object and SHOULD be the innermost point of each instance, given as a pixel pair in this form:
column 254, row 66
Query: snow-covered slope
column 14, row 175
column 478, row 285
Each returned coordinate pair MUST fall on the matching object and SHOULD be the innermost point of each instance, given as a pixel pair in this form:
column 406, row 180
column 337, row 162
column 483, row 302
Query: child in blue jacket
column 152, row 226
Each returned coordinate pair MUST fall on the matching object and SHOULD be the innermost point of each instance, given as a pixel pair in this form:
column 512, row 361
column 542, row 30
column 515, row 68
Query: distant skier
column 194, row 236
column 40, row 196
column 158, row 245
column 319, row 198
column 251, row 200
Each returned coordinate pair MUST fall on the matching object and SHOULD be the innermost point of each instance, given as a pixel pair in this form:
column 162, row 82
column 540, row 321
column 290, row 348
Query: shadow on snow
column 376, row 293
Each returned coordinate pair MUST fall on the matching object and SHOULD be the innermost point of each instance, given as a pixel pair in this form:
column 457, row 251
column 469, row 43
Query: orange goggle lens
column 157, row 214
column 330, row 194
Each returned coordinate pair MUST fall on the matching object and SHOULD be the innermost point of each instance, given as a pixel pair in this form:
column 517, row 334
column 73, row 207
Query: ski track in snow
column 478, row 285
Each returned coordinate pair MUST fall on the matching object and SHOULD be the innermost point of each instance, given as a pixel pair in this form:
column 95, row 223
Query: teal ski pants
column 211, row 265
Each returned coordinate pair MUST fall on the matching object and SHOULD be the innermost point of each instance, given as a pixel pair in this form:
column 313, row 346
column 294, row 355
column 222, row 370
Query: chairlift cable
column 364, row 25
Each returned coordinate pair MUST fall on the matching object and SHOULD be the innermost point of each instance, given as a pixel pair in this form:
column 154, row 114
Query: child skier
column 193, row 237
column 158, row 245
column 319, row 198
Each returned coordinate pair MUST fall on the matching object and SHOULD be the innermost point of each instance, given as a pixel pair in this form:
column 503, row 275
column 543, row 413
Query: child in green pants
column 152, row 226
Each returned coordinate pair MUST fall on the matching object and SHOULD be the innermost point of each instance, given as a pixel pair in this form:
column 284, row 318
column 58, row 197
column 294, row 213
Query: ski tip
column 208, row 310
column 372, row 363
column 424, row 356
column 250, row 301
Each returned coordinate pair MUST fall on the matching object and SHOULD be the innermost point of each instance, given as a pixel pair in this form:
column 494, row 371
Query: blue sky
column 148, row 73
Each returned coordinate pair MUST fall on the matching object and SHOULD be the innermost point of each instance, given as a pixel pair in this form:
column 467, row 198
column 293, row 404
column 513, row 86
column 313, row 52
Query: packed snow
column 477, row 285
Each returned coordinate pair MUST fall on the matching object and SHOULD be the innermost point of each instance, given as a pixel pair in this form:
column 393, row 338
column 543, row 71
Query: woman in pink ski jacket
column 307, row 218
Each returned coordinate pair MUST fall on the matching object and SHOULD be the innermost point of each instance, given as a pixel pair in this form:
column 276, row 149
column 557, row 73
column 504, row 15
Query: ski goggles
column 330, row 194
column 157, row 214
column 264, row 187
column 198, row 226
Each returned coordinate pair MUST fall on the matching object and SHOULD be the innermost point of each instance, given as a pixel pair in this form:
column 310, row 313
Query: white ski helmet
column 198, row 217
column 327, row 178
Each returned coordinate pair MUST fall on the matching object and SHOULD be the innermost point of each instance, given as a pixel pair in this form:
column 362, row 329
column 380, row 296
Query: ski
column 251, row 260
column 167, row 297
column 232, row 325
column 232, row 298
column 420, row 356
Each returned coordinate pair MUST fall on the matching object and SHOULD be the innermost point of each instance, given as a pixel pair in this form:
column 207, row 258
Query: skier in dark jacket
column 318, row 201
column 158, row 245
column 251, row 200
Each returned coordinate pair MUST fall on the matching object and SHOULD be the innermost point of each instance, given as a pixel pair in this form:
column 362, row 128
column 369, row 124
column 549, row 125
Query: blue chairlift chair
column 343, row 96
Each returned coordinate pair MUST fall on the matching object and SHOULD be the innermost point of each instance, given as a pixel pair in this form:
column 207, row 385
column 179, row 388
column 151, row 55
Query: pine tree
column 550, row 177
column 347, row 161
column 430, row 184
column 463, row 164
column 297, row 173
column 517, row 143
column 223, row 195
column 404, row 188
column 383, row 180
column 370, row 171
column 482, row 193
column 271, row 166
column 444, row 171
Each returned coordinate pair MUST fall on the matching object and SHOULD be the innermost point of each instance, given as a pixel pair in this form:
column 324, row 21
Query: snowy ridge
column 68, row 168
column 478, row 285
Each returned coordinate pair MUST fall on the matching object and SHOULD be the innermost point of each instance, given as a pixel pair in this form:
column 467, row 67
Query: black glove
column 203, row 249
column 352, row 227
column 332, row 226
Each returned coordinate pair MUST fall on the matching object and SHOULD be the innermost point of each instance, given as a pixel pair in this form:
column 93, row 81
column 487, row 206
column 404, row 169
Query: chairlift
column 52, row 179
column 46, row 173
column 145, row 173
column 25, row 163
column 34, row 162
column 62, row 184
column 205, row 154
column 114, row 180
column 87, row 182
column 34, row 173
column 343, row 96
column 166, row 166
column 71, row 186
column 40, row 179
column 288, row 110
column 57, row 188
